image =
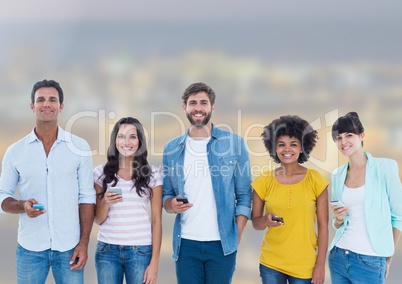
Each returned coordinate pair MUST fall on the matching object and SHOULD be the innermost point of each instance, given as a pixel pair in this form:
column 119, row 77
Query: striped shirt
column 128, row 222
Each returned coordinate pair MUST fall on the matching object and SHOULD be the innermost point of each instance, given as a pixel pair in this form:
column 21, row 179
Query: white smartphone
column 116, row 190
column 337, row 203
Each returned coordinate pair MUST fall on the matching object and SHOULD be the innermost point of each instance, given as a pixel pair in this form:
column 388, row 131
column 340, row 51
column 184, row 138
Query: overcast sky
column 18, row 11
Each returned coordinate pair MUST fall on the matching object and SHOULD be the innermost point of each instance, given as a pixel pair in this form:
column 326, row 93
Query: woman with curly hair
column 293, row 196
column 368, row 222
column 130, row 236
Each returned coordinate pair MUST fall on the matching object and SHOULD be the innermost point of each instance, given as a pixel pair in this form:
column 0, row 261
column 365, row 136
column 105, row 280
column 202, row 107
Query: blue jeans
column 113, row 262
column 204, row 262
column 33, row 267
column 348, row 267
column 272, row 276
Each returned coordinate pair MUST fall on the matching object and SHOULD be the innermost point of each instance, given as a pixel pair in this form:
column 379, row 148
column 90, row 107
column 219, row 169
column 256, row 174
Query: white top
column 200, row 222
column 356, row 236
column 128, row 222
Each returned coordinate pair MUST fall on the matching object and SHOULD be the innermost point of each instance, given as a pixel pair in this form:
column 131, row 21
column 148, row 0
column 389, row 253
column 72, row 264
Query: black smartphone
column 277, row 219
column 75, row 261
column 182, row 199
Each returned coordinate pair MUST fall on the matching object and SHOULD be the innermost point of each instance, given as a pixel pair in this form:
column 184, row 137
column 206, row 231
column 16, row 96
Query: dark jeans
column 204, row 263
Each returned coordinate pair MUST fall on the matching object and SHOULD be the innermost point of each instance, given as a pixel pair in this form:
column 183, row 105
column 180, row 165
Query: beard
column 199, row 124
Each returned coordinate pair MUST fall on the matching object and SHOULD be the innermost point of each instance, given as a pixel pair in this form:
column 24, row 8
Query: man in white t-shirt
column 210, row 167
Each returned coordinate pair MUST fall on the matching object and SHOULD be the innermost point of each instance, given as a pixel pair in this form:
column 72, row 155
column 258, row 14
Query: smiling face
column 349, row 143
column 46, row 104
column 127, row 140
column 198, row 109
column 288, row 149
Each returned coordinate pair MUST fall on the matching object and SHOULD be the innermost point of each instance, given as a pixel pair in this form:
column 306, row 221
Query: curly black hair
column 292, row 126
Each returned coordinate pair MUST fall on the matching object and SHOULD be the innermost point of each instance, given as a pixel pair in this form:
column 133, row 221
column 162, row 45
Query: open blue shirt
column 382, row 202
column 231, row 181
column 60, row 181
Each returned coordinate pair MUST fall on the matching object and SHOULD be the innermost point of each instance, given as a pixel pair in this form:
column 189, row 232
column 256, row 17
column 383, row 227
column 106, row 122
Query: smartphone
column 116, row 190
column 75, row 261
column 182, row 199
column 337, row 203
column 277, row 219
column 38, row 206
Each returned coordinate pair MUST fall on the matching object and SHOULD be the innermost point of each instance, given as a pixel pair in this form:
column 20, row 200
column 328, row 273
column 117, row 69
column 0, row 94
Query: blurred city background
column 264, row 59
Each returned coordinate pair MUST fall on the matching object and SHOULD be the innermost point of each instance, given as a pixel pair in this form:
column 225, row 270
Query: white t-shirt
column 355, row 237
column 200, row 222
column 128, row 222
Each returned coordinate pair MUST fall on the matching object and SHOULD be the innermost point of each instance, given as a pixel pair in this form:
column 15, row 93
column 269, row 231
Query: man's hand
column 179, row 206
column 32, row 212
column 80, row 257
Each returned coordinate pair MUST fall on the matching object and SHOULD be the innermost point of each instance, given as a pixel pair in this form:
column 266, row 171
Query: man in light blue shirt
column 53, row 168
column 209, row 167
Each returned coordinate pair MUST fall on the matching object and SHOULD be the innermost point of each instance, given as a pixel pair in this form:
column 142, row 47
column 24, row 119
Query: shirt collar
column 369, row 159
column 61, row 136
column 214, row 135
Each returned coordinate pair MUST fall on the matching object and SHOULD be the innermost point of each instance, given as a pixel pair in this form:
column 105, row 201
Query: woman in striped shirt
column 130, row 231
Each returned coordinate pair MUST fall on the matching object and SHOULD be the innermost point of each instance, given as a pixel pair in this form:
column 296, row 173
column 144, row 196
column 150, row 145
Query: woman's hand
column 318, row 274
column 151, row 274
column 339, row 213
column 270, row 222
column 113, row 197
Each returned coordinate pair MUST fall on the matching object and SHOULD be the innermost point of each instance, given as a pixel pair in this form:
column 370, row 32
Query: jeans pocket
column 101, row 247
column 143, row 250
column 373, row 262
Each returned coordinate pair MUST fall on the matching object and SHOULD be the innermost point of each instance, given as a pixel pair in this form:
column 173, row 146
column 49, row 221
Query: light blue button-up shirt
column 382, row 202
column 231, row 182
column 61, row 181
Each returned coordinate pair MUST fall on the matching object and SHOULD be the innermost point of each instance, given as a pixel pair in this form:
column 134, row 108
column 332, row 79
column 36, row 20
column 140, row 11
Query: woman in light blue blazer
column 368, row 218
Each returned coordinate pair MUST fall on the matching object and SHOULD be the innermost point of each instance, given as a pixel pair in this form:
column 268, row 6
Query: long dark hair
column 141, row 175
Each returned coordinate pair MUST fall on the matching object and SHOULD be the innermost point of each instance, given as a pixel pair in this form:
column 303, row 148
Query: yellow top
column 291, row 248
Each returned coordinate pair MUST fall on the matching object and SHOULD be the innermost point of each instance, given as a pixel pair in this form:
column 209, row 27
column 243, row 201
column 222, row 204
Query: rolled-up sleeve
column 87, row 193
column 8, row 179
column 168, row 191
column 243, row 187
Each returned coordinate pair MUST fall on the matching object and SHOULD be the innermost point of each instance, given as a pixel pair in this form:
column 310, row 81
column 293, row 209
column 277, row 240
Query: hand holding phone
column 277, row 219
column 182, row 199
column 114, row 198
column 337, row 203
column 75, row 261
column 38, row 206
column 116, row 190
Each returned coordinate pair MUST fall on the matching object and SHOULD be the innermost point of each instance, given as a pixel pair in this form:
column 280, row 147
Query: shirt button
column 347, row 252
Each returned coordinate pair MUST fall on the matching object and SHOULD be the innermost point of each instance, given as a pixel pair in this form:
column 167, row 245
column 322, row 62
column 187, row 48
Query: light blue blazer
column 382, row 202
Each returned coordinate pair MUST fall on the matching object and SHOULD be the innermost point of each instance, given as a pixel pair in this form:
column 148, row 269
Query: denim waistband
column 121, row 246
column 351, row 253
